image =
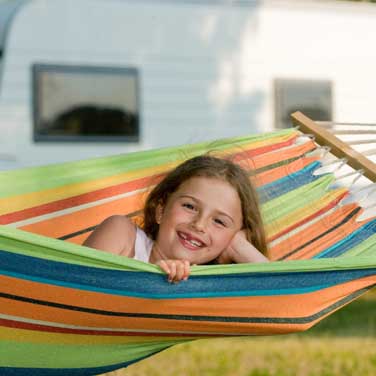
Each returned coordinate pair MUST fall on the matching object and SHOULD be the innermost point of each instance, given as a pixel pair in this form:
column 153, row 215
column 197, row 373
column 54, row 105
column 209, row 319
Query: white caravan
column 86, row 78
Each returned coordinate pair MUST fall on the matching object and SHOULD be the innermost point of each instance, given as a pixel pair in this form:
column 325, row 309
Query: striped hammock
column 70, row 310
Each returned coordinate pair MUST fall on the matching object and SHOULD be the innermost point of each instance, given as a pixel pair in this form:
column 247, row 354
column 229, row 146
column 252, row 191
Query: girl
column 203, row 211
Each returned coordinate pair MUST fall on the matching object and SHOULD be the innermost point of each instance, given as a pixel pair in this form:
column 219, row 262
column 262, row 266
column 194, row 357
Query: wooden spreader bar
column 337, row 147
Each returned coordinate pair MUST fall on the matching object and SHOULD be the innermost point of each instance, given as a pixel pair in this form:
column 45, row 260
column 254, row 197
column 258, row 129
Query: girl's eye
column 220, row 222
column 188, row 206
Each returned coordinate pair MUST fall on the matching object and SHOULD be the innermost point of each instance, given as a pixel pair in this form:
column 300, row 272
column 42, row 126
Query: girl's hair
column 211, row 167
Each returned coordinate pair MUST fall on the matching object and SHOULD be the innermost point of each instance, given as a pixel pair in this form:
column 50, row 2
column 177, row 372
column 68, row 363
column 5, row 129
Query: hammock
column 70, row 310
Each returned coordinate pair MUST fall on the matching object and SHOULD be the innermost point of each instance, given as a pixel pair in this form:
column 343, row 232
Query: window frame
column 39, row 68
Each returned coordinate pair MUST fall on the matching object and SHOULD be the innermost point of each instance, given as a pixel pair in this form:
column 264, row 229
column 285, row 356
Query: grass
column 342, row 344
column 264, row 357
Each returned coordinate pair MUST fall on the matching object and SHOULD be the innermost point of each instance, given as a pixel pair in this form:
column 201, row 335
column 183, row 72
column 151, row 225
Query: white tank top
column 142, row 246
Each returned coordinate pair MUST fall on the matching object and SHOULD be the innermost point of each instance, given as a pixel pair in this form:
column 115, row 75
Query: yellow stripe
column 288, row 220
column 32, row 336
column 255, row 144
column 15, row 203
column 20, row 202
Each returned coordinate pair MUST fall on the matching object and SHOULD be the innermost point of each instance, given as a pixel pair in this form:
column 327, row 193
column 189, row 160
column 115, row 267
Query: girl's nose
column 199, row 223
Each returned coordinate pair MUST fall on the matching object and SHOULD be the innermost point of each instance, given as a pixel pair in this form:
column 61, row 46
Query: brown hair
column 211, row 167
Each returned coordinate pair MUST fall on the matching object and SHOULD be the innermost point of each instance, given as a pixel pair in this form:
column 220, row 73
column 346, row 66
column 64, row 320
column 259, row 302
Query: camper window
column 312, row 97
column 85, row 103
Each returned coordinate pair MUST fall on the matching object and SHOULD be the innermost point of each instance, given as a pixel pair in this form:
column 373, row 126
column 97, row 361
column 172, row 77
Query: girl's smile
column 198, row 221
column 189, row 241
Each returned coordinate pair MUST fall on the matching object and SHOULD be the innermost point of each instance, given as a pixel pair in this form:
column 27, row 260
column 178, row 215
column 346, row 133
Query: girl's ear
column 159, row 214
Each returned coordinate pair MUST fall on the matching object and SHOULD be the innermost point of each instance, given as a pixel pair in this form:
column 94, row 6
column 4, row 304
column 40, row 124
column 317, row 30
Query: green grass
column 263, row 357
column 341, row 345
column 357, row 319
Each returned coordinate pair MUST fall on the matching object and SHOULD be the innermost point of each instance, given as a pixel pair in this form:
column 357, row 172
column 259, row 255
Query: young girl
column 203, row 211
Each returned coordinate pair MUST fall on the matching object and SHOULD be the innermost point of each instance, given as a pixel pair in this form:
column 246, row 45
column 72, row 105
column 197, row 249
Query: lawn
column 342, row 344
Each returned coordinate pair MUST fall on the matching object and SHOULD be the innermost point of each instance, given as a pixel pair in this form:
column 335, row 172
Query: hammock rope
column 68, row 309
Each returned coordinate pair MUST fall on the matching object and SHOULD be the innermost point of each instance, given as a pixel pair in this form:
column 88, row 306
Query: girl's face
column 199, row 220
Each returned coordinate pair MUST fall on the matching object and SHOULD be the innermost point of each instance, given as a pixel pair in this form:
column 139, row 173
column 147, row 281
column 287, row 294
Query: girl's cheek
column 180, row 215
column 227, row 237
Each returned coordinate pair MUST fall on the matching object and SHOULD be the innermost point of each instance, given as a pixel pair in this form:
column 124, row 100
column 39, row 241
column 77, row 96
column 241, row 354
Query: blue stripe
column 289, row 182
column 155, row 286
column 350, row 241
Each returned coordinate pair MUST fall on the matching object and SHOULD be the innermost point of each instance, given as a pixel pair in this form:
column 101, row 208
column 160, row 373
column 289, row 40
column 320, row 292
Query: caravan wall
column 194, row 70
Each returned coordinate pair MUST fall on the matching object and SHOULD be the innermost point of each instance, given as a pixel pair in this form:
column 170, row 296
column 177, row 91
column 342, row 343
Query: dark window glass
column 85, row 103
column 313, row 98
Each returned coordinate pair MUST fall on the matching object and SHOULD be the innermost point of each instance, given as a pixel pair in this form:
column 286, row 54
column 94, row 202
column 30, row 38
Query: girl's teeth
column 195, row 243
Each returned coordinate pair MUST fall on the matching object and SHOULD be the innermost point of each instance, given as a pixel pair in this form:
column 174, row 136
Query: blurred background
column 88, row 78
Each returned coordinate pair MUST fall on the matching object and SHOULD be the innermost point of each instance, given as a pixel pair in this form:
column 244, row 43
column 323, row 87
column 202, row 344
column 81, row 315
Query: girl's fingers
column 176, row 270
column 187, row 270
column 180, row 271
column 172, row 273
column 164, row 266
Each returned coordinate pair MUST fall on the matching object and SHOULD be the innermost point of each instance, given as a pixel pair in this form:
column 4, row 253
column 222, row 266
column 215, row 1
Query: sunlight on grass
column 287, row 355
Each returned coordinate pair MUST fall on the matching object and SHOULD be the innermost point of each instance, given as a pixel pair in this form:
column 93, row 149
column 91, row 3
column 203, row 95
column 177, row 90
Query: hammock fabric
column 70, row 310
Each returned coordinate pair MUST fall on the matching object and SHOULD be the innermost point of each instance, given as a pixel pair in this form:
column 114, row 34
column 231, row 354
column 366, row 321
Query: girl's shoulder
column 118, row 225
column 119, row 221
column 116, row 234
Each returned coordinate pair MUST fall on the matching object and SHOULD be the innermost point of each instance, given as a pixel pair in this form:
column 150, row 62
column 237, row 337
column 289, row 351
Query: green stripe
column 298, row 266
column 296, row 199
column 46, row 177
column 365, row 248
column 25, row 243
column 12, row 354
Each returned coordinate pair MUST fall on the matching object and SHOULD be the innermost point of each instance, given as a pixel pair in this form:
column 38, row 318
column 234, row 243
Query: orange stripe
column 31, row 204
column 251, row 306
column 32, row 199
column 268, row 159
column 72, row 222
column 296, row 240
column 326, row 241
column 280, row 172
column 261, row 147
column 302, row 220
column 50, row 314
column 285, row 304
column 60, row 332
column 79, row 199
column 79, row 239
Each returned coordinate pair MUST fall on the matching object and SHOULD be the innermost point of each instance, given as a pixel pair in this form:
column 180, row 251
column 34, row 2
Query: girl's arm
column 115, row 234
column 240, row 251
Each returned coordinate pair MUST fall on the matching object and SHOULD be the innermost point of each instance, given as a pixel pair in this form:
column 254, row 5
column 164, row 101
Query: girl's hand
column 177, row 270
column 240, row 250
column 228, row 256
